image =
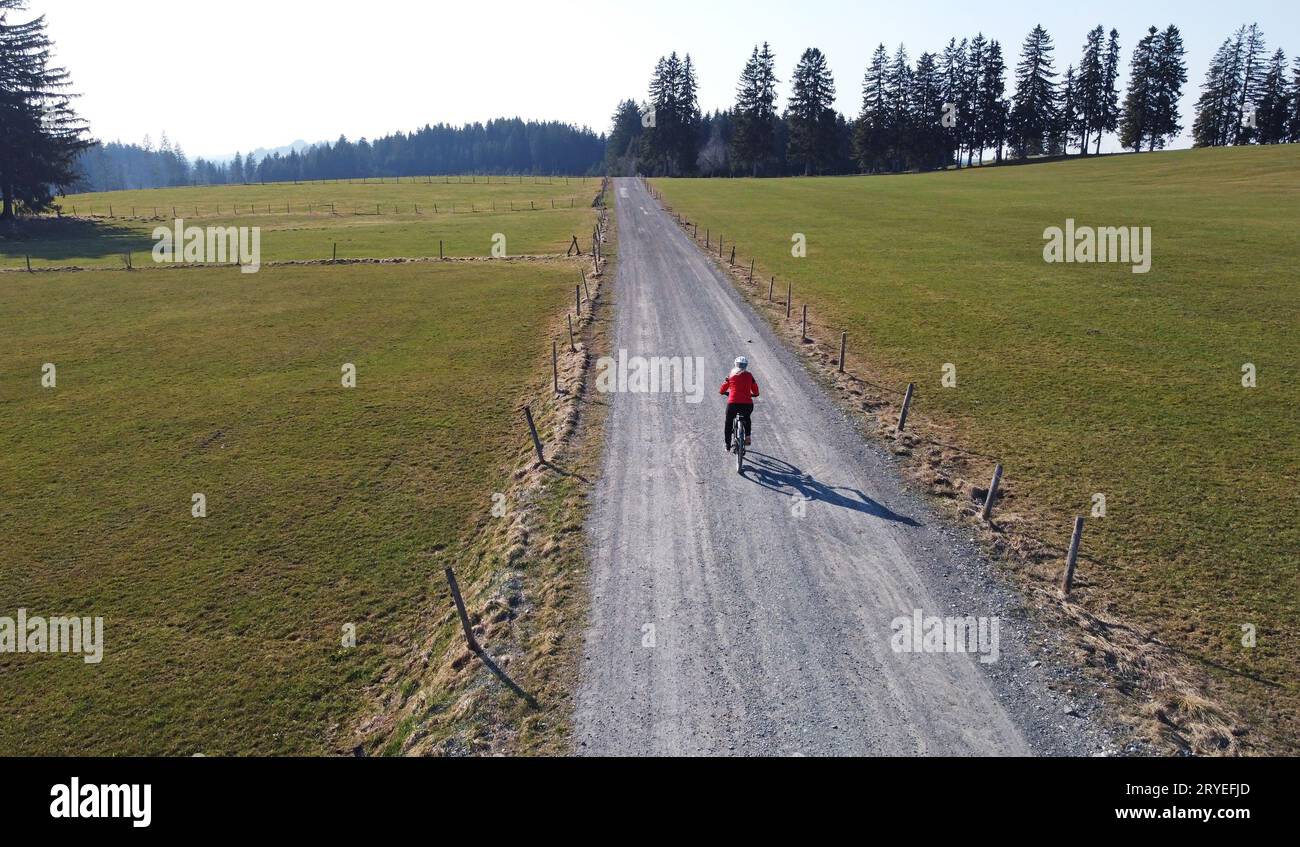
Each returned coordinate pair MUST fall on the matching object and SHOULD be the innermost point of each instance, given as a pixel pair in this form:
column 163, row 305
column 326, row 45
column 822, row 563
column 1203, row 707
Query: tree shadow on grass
column 61, row 239
column 781, row 476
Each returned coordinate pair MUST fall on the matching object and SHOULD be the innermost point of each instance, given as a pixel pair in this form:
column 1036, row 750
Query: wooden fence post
column 460, row 610
column 987, row 511
column 770, row 286
column 584, row 284
column 577, row 299
column 844, row 343
column 572, row 348
column 789, row 298
column 1068, row 582
column 751, row 271
column 532, row 428
column 907, row 404
column 805, row 322
column 555, row 365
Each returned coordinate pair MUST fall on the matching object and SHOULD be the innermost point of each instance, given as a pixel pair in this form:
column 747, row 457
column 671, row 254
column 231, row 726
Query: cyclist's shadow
column 780, row 476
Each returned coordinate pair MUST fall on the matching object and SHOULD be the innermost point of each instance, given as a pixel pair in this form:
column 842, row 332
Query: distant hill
column 262, row 152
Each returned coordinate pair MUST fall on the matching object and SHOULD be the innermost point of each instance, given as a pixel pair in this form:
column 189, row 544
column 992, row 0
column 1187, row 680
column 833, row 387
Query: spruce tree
column 1109, row 104
column 1217, row 116
column 811, row 113
column 927, row 142
column 1253, row 60
column 624, row 140
column 1034, row 115
column 670, row 144
column 993, row 104
column 756, row 117
column 898, row 110
column 970, row 122
column 1293, row 122
column 1169, row 72
column 869, row 129
column 41, row 135
column 660, row 137
column 1273, row 110
column 1068, row 119
column 954, row 73
column 688, row 118
column 1091, row 87
column 1139, row 102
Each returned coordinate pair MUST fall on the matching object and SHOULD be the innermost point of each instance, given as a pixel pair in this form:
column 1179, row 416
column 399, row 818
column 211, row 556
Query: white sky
column 241, row 74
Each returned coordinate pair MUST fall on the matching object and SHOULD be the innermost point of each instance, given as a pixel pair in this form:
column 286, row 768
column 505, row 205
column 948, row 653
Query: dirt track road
column 722, row 621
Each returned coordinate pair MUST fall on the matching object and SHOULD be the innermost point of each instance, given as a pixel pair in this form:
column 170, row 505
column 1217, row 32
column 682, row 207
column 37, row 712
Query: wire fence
column 309, row 208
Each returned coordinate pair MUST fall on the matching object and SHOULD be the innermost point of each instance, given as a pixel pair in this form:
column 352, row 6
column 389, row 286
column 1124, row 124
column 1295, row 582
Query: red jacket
column 741, row 388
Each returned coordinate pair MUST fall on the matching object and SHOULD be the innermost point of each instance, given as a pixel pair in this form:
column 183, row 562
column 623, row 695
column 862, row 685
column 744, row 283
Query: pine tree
column 811, row 113
column 1252, row 83
column 869, row 129
column 1136, row 124
column 1068, row 119
column 660, row 137
column 1169, row 74
column 1091, row 87
column 898, row 111
column 624, row 140
column 953, row 69
column 41, row 136
column 993, row 104
column 670, row 144
column 1293, row 123
column 688, row 118
column 756, row 117
column 237, row 169
column 1108, row 120
column 1217, row 116
column 927, row 141
column 1274, row 102
column 1034, row 115
column 970, row 123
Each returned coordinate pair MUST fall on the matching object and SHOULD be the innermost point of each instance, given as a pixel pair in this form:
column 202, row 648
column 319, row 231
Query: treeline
column 952, row 107
column 1247, row 96
column 116, row 166
column 504, row 146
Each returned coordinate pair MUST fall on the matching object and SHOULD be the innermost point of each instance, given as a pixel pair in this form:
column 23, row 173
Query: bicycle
column 739, row 436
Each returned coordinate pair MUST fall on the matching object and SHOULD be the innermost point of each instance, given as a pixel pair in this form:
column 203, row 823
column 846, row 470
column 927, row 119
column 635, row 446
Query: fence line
column 316, row 209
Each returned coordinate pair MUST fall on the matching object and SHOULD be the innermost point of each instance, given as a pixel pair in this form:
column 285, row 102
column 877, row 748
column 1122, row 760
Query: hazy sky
column 240, row 74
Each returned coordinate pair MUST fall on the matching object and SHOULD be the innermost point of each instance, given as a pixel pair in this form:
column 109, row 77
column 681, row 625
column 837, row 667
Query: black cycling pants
column 742, row 409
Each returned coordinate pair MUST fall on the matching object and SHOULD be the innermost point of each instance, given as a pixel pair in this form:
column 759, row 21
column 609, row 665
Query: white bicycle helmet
column 742, row 362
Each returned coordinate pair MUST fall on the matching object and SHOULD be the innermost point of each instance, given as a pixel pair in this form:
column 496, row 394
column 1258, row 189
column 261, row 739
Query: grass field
column 1087, row 379
column 305, row 220
column 223, row 633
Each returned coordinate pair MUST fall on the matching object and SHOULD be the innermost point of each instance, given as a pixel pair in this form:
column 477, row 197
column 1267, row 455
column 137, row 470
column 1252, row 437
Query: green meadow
column 224, row 634
column 311, row 220
column 1087, row 378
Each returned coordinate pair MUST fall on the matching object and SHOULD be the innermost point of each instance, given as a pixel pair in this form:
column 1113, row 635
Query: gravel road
column 753, row 615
